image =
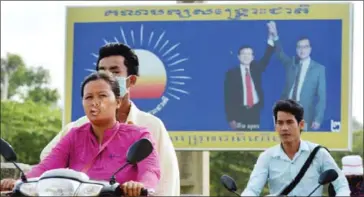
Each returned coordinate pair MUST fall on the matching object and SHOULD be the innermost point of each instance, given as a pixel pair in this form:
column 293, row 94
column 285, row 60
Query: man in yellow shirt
column 120, row 60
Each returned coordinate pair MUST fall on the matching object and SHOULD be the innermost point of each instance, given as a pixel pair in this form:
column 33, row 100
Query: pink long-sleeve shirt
column 80, row 146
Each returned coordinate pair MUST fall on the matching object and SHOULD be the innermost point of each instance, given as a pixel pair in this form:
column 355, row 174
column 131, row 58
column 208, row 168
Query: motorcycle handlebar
column 143, row 192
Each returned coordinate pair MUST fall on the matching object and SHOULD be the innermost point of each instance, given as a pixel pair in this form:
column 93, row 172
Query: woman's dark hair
column 289, row 106
column 106, row 76
column 131, row 59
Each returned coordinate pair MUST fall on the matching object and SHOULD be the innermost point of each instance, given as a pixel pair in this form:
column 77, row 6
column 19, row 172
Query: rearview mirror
column 229, row 183
column 139, row 151
column 327, row 177
column 7, row 151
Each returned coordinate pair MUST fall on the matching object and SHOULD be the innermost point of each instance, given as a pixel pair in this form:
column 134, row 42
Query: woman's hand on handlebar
column 7, row 184
column 132, row 188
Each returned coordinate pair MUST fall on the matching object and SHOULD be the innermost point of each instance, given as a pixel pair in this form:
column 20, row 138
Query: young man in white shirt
column 280, row 164
column 120, row 60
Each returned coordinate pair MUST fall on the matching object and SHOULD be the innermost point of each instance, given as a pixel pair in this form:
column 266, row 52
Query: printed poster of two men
column 305, row 82
column 226, row 75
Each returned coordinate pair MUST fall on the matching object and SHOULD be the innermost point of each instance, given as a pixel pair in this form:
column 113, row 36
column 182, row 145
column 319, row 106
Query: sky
column 36, row 31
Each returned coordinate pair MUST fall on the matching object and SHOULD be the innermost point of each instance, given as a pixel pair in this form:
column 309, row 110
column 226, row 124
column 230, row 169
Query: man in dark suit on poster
column 243, row 92
column 305, row 79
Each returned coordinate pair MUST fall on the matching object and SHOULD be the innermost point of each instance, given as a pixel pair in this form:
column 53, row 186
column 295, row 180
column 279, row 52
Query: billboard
column 192, row 73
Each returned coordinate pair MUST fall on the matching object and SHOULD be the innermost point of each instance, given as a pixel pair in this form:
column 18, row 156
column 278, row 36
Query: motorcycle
column 326, row 177
column 68, row 182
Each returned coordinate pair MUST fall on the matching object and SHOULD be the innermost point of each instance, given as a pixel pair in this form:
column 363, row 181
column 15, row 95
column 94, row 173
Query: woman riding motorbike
column 99, row 147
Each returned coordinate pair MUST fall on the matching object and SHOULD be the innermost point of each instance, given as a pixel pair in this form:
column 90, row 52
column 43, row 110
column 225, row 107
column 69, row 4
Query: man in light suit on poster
column 305, row 79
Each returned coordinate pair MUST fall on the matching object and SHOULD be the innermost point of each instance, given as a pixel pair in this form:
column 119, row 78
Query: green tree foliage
column 9, row 66
column 28, row 83
column 29, row 127
column 356, row 150
column 239, row 164
column 42, row 95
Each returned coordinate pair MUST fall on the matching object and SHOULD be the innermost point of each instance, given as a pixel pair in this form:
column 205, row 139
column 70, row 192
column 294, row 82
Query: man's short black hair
column 245, row 47
column 289, row 106
column 304, row 38
column 131, row 59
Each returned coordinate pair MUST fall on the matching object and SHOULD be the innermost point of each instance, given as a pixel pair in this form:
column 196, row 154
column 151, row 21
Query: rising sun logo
column 161, row 71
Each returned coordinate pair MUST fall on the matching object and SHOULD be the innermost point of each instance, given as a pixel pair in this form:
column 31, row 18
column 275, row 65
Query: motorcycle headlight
column 29, row 189
column 87, row 189
column 57, row 187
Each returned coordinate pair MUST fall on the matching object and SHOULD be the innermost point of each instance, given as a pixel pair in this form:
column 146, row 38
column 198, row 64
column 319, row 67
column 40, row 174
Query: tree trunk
column 189, row 1
column 5, row 87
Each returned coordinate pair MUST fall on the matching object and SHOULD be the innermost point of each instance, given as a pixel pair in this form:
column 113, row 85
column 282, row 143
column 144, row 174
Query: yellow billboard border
column 217, row 140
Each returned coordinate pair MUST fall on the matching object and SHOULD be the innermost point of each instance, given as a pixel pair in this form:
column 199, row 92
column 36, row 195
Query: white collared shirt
column 305, row 64
column 276, row 168
column 255, row 94
column 169, row 184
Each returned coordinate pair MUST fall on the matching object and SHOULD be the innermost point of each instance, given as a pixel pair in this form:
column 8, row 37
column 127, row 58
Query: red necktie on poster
column 249, row 88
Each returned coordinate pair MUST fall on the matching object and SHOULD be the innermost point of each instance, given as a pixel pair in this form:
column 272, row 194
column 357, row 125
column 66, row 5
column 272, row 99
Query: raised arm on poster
column 243, row 89
column 306, row 78
column 215, row 111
